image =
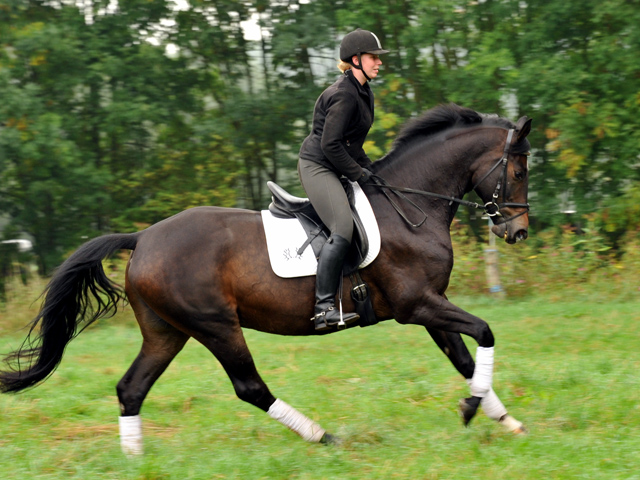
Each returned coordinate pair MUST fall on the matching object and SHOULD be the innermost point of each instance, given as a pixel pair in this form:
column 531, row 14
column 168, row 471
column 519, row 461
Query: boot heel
column 320, row 322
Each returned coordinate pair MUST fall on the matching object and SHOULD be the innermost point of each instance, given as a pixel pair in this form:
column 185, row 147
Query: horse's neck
column 441, row 167
column 445, row 167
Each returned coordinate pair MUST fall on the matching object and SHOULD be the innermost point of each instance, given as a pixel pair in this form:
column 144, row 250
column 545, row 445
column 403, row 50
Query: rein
column 492, row 208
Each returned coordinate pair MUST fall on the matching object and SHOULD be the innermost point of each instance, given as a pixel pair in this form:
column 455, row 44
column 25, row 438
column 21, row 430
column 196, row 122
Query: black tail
column 66, row 311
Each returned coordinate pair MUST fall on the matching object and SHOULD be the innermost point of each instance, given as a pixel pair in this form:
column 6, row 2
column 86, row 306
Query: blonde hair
column 344, row 66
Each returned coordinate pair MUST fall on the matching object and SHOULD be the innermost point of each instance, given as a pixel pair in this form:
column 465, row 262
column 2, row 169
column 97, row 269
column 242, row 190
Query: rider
column 342, row 117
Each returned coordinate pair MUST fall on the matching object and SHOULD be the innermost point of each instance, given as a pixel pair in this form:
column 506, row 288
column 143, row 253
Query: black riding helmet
column 358, row 42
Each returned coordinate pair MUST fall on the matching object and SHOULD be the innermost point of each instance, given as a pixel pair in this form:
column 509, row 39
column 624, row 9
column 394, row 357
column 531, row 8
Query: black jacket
column 342, row 117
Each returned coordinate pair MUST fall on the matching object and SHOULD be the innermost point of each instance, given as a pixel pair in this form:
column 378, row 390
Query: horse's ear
column 523, row 127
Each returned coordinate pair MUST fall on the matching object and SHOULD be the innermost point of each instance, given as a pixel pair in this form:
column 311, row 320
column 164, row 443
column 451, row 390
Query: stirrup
column 324, row 323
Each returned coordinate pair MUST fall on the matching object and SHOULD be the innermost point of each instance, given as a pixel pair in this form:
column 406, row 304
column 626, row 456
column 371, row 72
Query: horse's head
column 504, row 185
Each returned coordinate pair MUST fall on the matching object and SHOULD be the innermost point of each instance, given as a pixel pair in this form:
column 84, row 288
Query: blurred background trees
column 116, row 114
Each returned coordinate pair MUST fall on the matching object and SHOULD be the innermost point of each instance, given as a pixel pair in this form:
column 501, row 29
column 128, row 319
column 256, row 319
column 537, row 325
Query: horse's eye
column 520, row 174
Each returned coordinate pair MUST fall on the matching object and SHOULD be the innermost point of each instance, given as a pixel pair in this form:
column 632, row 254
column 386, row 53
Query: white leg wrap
column 483, row 373
column 492, row 406
column 131, row 435
column 495, row 410
column 294, row 420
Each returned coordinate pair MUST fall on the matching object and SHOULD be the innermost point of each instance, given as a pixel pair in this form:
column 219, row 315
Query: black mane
column 443, row 117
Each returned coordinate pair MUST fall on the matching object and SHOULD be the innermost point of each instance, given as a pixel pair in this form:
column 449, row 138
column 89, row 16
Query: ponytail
column 344, row 66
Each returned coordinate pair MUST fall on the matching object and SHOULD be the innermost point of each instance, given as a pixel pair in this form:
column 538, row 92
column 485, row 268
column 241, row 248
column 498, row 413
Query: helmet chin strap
column 359, row 67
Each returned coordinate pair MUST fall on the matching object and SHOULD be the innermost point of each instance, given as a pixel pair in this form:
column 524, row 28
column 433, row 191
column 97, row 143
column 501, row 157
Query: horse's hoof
column 468, row 407
column 513, row 425
column 328, row 439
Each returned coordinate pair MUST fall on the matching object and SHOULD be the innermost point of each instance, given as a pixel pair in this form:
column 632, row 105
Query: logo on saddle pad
column 292, row 246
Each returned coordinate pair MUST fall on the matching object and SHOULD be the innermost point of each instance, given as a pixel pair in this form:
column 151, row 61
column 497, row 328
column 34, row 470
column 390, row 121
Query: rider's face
column 370, row 64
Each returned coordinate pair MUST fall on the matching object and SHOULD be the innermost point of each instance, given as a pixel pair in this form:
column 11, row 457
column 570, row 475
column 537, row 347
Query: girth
column 285, row 205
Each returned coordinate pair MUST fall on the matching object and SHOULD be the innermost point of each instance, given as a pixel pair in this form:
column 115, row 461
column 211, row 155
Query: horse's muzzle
column 511, row 235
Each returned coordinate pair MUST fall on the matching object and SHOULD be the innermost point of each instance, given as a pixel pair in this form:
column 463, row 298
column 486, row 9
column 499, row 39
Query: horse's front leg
column 436, row 312
column 455, row 349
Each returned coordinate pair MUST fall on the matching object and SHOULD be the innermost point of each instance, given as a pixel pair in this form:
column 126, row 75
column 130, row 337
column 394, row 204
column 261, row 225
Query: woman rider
column 342, row 117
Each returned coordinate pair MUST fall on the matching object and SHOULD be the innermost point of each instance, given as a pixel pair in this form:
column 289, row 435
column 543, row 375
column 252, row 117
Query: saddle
column 285, row 205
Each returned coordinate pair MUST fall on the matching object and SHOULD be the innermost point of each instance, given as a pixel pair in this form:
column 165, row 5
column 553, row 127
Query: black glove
column 364, row 178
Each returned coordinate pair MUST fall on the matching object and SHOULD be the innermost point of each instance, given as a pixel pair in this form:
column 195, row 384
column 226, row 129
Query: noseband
column 491, row 208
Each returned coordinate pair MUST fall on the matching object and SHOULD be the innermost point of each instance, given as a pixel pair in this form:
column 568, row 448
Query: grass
column 568, row 368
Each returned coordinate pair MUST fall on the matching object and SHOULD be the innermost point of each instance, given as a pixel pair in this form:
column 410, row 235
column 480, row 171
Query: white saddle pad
column 286, row 235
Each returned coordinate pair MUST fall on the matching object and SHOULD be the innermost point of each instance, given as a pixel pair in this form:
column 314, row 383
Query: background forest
column 117, row 114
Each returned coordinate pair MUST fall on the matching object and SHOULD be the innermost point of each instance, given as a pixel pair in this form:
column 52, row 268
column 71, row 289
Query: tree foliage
column 117, row 114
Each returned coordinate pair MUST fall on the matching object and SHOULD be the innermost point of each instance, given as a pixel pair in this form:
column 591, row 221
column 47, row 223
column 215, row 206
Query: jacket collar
column 363, row 90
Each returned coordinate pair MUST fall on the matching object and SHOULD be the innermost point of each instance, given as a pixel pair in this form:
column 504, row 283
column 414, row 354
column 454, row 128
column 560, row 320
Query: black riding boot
column 327, row 280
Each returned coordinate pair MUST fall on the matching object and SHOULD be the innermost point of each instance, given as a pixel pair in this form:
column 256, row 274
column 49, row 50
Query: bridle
column 491, row 208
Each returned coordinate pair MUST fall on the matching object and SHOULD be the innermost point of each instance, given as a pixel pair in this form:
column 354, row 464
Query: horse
column 204, row 273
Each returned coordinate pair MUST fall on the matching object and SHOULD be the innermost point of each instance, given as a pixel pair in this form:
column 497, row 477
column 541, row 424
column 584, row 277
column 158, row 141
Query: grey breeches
column 327, row 196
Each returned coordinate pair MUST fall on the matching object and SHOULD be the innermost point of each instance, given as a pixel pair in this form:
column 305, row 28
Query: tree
column 117, row 116
column 89, row 93
column 577, row 75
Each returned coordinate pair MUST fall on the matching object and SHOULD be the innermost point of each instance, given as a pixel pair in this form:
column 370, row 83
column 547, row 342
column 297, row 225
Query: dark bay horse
column 205, row 273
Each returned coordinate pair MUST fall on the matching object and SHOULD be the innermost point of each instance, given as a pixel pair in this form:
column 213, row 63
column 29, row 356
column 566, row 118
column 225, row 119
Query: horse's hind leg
column 230, row 348
column 455, row 349
column 161, row 343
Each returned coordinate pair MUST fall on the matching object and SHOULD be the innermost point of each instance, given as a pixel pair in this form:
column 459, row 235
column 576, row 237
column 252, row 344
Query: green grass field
column 567, row 368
